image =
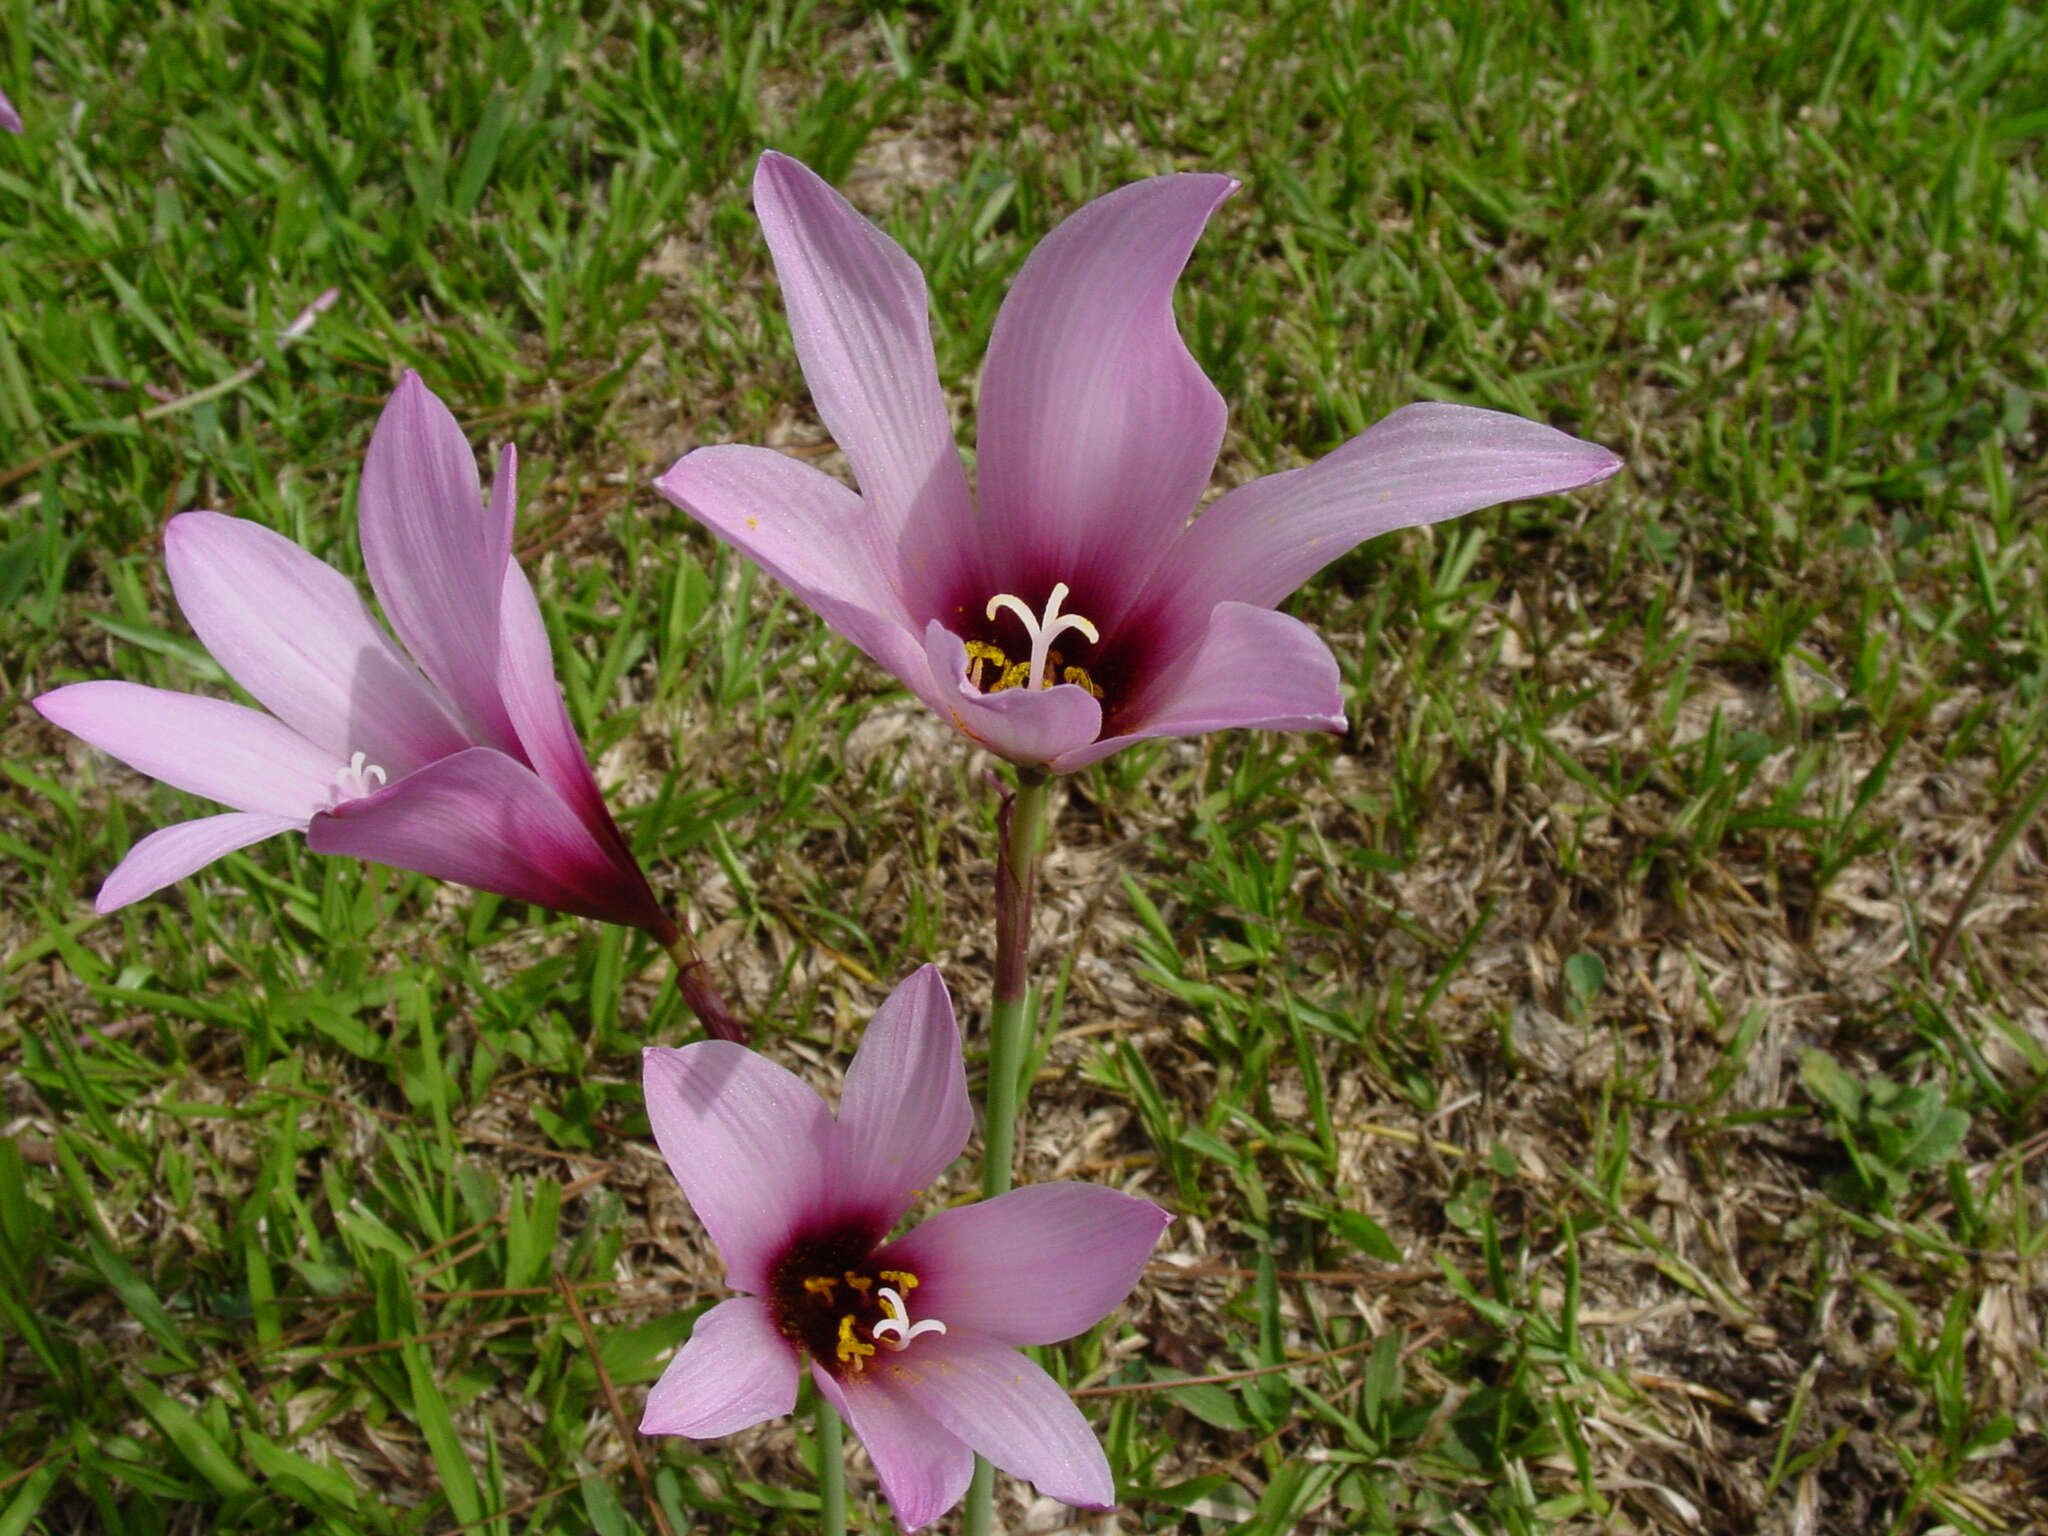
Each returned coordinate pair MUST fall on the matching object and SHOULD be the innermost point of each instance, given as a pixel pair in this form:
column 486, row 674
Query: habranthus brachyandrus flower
column 453, row 756
column 914, row 1340
column 1076, row 608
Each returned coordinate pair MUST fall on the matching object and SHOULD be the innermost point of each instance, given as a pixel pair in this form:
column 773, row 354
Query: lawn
column 1601, row 1090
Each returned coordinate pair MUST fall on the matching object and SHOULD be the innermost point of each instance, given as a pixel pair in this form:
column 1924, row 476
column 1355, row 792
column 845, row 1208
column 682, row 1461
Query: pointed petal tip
column 183, row 848
column 749, row 1142
column 671, row 480
column 1098, row 427
column 734, row 1371
column 780, row 173
column 903, row 1112
column 414, row 406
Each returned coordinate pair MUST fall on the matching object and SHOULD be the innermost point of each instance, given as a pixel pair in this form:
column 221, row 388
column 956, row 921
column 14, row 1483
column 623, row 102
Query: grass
column 1570, row 1126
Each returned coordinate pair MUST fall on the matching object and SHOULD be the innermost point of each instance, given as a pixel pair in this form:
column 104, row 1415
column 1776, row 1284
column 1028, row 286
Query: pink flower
column 914, row 1341
column 1076, row 609
column 9, row 118
column 457, row 760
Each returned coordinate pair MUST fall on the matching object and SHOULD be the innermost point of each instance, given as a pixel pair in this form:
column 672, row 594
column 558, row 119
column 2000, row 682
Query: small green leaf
column 1823, row 1077
column 607, row 1514
column 183, row 1429
column 1362, row 1233
column 29, row 1499
column 306, row 1481
column 1585, row 977
column 1212, row 1405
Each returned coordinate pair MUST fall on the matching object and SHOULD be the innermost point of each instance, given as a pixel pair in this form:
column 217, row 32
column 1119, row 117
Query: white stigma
column 1043, row 630
column 897, row 1330
column 361, row 777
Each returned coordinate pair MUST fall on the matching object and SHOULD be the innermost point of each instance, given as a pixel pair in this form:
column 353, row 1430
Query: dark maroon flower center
column 829, row 1298
column 1003, row 644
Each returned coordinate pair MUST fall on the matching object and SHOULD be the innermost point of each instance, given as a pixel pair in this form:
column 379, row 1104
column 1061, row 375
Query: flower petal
column 922, row 1468
column 436, row 557
column 486, row 820
column 1098, row 428
column 733, row 1371
column 533, row 700
column 814, row 536
column 296, row 634
column 208, row 747
column 1032, row 726
column 172, row 853
column 9, row 118
column 858, row 314
column 1419, row 465
column 1034, row 1266
column 748, row 1141
column 1254, row 668
column 1007, row 1409
column 903, row 1115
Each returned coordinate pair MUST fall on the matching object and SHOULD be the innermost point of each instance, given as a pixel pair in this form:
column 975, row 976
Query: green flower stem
column 831, row 1471
column 981, row 1500
column 1020, row 825
column 1020, row 828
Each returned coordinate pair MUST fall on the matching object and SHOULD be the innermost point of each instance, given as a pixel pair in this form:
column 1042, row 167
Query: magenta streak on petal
column 482, row 819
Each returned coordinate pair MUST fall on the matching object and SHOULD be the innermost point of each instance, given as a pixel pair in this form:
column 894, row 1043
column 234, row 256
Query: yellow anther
column 821, row 1286
column 858, row 1282
column 902, row 1279
column 1080, row 678
column 851, row 1350
column 980, row 654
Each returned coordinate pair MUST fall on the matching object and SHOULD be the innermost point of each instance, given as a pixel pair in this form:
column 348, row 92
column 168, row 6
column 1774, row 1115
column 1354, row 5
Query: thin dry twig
column 1126, row 1388
column 556, row 1492
column 234, row 381
column 611, row 1397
